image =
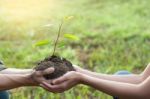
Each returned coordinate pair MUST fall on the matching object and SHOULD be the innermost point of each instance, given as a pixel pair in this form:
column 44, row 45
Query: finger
column 63, row 86
column 45, row 72
column 57, row 88
column 49, row 81
column 48, row 71
column 59, row 80
column 52, row 87
column 46, row 88
column 47, row 85
column 51, row 90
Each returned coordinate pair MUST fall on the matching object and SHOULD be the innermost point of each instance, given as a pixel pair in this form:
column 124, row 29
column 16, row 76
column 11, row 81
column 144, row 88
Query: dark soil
column 61, row 66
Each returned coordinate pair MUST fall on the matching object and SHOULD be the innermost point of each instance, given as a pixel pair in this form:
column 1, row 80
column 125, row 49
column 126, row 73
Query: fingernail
column 52, row 69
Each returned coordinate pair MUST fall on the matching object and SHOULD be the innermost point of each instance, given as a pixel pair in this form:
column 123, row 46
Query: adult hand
column 37, row 77
column 63, row 83
column 78, row 69
column 81, row 70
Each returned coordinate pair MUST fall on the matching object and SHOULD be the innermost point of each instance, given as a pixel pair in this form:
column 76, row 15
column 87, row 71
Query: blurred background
column 114, row 35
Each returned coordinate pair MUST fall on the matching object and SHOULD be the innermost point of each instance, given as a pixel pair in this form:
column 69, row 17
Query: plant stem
column 56, row 42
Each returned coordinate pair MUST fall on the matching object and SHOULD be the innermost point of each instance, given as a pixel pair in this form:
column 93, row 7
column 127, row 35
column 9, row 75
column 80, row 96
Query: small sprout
column 56, row 42
column 71, row 37
column 42, row 43
column 57, row 38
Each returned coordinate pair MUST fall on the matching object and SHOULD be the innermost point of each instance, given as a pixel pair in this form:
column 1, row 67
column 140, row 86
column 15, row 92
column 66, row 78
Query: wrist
column 80, row 77
column 84, row 78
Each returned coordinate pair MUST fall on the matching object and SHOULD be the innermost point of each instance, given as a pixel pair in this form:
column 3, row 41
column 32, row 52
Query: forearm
column 133, row 79
column 13, row 81
column 16, row 71
column 122, row 90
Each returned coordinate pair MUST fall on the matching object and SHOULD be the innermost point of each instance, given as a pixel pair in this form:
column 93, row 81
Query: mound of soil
column 61, row 66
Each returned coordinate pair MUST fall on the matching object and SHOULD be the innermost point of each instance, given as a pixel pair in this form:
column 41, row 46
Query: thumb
column 48, row 71
column 45, row 72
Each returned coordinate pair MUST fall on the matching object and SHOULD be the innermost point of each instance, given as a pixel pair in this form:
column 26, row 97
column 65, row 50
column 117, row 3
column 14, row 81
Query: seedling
column 61, row 65
column 68, row 36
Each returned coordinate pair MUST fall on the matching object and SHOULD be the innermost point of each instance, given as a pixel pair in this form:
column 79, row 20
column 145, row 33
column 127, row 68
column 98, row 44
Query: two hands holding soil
column 58, row 75
column 53, row 74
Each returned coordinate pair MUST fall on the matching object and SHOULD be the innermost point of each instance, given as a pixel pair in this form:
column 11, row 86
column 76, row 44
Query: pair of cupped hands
column 57, row 85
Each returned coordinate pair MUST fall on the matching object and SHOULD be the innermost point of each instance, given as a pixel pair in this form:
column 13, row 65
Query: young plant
column 66, row 35
column 61, row 65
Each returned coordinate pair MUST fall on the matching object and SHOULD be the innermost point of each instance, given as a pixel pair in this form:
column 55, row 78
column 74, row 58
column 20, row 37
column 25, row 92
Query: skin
column 13, row 78
column 16, row 71
column 133, row 79
column 125, row 87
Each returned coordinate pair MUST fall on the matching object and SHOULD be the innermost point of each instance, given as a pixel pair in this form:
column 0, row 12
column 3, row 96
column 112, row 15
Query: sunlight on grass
column 25, row 9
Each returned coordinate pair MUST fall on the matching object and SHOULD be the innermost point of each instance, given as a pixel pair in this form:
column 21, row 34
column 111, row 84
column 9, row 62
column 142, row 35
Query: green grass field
column 114, row 35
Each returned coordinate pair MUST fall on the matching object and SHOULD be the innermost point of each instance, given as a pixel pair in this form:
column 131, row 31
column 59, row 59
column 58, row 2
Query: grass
column 114, row 35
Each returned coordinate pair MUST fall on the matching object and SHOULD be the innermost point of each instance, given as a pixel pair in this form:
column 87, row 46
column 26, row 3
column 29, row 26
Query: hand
column 37, row 77
column 79, row 69
column 63, row 83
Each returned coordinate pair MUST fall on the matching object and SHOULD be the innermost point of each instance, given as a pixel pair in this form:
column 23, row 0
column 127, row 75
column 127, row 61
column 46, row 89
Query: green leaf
column 71, row 37
column 42, row 43
column 61, row 44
